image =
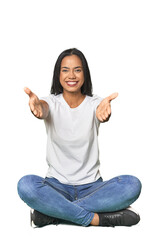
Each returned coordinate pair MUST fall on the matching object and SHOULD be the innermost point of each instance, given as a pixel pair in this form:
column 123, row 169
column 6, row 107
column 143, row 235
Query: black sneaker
column 40, row 220
column 126, row 217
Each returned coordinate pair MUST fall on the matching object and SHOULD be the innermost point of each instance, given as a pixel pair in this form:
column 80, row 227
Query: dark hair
column 56, row 87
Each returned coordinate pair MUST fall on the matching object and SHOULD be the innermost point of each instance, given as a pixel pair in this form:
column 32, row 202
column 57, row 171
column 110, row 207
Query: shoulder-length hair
column 56, row 87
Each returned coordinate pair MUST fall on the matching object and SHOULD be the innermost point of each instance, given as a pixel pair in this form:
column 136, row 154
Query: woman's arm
column 39, row 108
column 103, row 111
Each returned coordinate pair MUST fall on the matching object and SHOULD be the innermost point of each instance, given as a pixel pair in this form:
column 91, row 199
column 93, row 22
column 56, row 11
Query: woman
column 73, row 189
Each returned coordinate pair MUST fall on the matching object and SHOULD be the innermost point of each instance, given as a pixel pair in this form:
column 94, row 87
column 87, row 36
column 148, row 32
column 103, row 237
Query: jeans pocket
column 58, row 189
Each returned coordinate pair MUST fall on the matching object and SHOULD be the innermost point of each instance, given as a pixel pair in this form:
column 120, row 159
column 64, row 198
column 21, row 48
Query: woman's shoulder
column 95, row 98
column 52, row 98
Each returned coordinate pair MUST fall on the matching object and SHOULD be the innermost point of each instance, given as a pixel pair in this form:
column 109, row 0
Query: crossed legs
column 108, row 196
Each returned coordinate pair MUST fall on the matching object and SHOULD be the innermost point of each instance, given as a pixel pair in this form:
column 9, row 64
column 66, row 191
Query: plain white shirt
column 72, row 140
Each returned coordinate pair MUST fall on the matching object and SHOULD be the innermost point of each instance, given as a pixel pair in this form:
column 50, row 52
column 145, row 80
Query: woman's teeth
column 71, row 83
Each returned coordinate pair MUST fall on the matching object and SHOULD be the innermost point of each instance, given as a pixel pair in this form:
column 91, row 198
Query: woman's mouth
column 72, row 83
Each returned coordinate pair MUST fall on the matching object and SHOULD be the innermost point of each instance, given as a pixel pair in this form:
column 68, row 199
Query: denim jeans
column 78, row 203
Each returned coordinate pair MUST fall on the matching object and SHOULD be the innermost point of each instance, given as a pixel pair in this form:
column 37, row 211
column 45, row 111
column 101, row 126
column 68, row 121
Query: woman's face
column 71, row 74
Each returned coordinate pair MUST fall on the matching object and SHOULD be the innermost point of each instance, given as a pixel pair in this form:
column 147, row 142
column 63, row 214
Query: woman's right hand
column 35, row 104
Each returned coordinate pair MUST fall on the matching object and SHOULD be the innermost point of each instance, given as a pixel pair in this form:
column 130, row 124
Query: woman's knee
column 134, row 186
column 27, row 185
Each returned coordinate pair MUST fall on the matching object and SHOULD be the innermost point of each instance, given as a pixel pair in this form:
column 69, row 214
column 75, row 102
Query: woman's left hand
column 103, row 111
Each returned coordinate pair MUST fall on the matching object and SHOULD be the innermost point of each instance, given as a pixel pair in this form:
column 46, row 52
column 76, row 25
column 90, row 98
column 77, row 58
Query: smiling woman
column 72, row 79
column 73, row 188
column 78, row 63
column 71, row 74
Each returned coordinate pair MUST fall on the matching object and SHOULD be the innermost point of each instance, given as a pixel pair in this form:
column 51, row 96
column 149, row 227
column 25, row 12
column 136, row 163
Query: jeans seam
column 56, row 188
column 81, row 199
column 89, row 220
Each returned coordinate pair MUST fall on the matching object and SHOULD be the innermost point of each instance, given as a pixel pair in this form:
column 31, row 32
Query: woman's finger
column 31, row 107
column 35, row 112
column 112, row 96
column 28, row 91
column 109, row 109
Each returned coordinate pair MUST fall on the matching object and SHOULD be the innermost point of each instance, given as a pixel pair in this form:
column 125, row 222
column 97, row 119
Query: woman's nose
column 71, row 75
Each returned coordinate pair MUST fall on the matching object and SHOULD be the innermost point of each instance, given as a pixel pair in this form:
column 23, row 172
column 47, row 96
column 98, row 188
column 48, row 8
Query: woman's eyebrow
column 78, row 67
column 74, row 67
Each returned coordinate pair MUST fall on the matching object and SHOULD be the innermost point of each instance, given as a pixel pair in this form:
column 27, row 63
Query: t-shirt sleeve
column 46, row 99
column 49, row 99
column 51, row 103
column 96, row 101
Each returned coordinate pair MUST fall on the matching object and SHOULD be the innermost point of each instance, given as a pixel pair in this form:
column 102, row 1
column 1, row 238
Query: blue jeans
column 78, row 203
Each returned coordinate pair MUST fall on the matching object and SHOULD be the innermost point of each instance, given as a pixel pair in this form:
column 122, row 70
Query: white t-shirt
column 72, row 140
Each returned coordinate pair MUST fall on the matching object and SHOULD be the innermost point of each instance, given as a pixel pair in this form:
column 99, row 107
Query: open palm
column 103, row 111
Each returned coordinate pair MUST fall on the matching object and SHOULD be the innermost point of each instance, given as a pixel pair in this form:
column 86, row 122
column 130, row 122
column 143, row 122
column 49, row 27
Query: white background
column 121, row 41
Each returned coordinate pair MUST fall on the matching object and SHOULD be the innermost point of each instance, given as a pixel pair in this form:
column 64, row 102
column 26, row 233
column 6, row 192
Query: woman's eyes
column 76, row 70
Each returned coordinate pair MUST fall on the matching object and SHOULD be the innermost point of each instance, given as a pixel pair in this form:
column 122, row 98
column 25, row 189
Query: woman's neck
column 73, row 99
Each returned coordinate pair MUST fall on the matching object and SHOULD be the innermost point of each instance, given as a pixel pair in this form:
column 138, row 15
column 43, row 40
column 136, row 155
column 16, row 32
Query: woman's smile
column 71, row 74
column 72, row 83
